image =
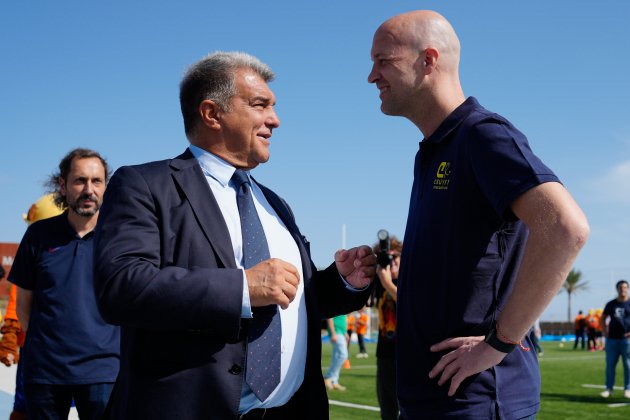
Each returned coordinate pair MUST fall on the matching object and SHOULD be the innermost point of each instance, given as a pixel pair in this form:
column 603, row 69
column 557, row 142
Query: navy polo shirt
column 67, row 343
column 619, row 313
column 463, row 247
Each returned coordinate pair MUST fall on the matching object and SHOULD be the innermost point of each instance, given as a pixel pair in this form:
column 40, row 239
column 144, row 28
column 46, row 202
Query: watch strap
column 493, row 341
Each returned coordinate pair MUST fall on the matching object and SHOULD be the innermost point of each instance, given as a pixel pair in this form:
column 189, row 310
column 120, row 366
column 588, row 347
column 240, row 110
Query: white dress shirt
column 281, row 245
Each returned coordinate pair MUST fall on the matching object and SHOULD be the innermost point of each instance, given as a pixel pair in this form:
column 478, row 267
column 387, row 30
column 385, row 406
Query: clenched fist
column 271, row 282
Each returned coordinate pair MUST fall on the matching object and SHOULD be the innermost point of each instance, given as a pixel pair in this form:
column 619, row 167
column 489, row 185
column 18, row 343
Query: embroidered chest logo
column 442, row 175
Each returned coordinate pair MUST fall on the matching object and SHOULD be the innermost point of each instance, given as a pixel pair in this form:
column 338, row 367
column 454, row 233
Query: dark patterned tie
column 265, row 330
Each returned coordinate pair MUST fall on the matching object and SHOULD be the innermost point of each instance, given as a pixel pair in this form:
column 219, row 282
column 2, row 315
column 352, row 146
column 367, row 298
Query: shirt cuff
column 246, row 307
column 351, row 287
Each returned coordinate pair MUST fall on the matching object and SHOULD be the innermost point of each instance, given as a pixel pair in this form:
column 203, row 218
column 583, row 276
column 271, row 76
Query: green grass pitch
column 568, row 378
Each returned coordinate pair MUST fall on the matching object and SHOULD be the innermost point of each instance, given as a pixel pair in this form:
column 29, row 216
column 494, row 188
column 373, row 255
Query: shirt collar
column 69, row 229
column 213, row 166
column 453, row 120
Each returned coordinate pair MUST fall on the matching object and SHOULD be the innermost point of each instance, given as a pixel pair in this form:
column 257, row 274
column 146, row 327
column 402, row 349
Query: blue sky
column 105, row 75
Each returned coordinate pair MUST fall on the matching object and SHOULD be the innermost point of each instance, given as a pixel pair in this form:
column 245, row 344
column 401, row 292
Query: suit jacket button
column 236, row 370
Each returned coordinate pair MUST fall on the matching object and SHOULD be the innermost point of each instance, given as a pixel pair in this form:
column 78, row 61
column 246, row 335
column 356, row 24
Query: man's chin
column 390, row 109
column 86, row 212
column 262, row 158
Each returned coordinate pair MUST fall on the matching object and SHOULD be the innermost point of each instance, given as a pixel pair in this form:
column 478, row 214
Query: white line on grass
column 556, row 359
column 362, row 407
column 600, row 386
column 620, row 388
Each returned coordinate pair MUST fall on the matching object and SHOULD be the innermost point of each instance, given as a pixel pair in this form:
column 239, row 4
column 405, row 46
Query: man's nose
column 88, row 187
column 374, row 75
column 273, row 121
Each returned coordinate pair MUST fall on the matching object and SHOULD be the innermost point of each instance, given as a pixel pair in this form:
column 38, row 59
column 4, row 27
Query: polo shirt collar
column 213, row 166
column 453, row 120
column 65, row 223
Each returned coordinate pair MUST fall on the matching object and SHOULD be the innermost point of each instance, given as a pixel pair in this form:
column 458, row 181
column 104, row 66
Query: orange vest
column 592, row 322
column 12, row 304
column 362, row 324
column 350, row 320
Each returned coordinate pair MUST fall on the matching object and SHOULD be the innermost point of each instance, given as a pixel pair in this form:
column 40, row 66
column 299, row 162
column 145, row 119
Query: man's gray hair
column 213, row 78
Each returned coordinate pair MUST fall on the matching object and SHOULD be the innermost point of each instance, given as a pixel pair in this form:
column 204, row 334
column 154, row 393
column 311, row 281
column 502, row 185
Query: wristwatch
column 494, row 342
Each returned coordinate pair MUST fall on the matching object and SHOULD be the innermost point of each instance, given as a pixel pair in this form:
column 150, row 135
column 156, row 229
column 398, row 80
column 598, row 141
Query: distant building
column 7, row 253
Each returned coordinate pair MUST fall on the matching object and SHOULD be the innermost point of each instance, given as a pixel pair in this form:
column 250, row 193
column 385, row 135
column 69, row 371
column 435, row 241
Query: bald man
column 491, row 235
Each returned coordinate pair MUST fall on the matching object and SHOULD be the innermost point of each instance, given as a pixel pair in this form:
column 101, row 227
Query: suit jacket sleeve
column 331, row 295
column 140, row 280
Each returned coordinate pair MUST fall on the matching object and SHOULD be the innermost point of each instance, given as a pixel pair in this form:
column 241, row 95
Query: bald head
column 423, row 29
column 416, row 68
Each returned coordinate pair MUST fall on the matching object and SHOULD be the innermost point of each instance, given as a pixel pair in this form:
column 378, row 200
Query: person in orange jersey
column 600, row 339
column 361, row 330
column 580, row 329
column 592, row 323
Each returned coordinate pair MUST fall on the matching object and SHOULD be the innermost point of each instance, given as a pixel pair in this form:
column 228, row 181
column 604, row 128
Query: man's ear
column 430, row 59
column 62, row 186
column 210, row 114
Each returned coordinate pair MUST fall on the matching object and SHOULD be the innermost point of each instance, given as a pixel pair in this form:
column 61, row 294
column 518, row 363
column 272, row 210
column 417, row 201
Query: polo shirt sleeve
column 23, row 270
column 607, row 310
column 504, row 165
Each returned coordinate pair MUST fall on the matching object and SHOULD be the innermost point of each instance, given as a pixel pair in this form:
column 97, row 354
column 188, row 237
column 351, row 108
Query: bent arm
column 557, row 231
column 385, row 277
column 24, row 306
column 333, row 297
column 137, row 281
column 331, row 330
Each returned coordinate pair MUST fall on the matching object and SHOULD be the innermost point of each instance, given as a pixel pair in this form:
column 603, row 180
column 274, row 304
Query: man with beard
column 70, row 352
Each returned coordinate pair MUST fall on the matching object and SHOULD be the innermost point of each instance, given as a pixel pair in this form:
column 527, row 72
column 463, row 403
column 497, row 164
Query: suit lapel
column 190, row 179
column 285, row 214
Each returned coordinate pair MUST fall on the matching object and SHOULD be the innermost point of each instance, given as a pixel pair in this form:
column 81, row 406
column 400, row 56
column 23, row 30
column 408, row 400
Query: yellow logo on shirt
column 442, row 180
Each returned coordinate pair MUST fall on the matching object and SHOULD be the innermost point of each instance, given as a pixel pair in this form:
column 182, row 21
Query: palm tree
column 573, row 284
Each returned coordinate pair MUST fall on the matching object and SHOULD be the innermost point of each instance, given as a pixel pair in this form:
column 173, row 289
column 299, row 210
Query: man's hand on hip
column 272, row 282
column 471, row 355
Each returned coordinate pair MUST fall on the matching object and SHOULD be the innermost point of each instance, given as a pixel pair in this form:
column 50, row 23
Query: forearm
column 172, row 298
column 331, row 329
column 24, row 307
column 548, row 258
column 152, row 272
column 333, row 297
column 385, row 277
column 391, row 288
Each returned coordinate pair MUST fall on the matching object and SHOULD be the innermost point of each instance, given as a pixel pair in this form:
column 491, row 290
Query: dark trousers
column 591, row 339
column 386, row 388
column 579, row 336
column 52, row 402
column 361, row 343
column 19, row 401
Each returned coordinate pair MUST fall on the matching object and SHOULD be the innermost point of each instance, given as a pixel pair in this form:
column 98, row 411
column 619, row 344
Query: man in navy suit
column 170, row 269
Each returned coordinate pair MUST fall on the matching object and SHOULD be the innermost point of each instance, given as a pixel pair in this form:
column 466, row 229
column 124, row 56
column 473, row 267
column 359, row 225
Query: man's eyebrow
column 382, row 55
column 265, row 99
